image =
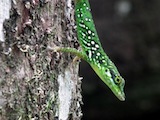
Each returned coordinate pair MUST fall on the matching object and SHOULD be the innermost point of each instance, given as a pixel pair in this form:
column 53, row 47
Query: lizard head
column 111, row 77
column 114, row 81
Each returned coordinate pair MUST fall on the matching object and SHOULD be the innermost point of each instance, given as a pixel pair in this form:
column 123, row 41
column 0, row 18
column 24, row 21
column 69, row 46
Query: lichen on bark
column 34, row 79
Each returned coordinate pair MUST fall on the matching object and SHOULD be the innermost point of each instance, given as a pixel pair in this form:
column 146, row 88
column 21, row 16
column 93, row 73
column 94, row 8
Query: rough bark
column 35, row 82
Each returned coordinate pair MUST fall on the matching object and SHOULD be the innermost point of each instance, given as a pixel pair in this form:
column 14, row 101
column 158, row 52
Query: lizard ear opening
column 107, row 71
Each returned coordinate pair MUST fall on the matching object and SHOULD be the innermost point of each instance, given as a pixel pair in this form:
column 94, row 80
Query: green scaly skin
column 92, row 50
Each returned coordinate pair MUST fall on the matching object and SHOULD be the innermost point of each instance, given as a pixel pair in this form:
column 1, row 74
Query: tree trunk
column 35, row 82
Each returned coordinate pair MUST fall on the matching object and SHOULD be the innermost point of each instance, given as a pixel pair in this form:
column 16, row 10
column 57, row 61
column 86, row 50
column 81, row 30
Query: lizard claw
column 76, row 59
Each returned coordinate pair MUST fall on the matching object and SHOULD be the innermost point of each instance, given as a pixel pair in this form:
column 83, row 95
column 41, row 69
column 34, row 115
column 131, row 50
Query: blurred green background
column 129, row 31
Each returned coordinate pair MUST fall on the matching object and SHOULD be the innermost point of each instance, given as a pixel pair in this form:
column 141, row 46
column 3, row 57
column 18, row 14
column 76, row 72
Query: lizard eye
column 118, row 80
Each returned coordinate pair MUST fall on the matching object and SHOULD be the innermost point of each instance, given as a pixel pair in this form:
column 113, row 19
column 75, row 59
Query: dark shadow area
column 129, row 31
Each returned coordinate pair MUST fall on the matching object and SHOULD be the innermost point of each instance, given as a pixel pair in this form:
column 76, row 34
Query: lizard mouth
column 121, row 96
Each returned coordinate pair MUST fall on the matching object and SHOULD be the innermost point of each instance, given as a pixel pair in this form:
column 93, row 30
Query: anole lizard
column 92, row 50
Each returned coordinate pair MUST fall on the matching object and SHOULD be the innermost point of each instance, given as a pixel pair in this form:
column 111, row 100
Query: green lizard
column 92, row 50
